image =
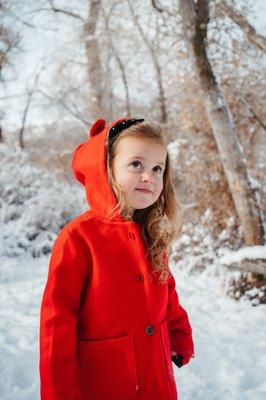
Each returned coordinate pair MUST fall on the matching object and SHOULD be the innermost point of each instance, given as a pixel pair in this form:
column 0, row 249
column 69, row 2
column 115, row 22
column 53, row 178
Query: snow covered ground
column 229, row 336
column 230, row 342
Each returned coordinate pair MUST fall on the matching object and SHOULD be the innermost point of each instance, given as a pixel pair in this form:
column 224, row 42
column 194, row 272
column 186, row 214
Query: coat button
column 140, row 277
column 149, row 330
column 131, row 235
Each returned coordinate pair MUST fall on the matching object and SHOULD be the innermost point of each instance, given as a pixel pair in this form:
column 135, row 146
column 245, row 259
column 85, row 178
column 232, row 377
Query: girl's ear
column 97, row 127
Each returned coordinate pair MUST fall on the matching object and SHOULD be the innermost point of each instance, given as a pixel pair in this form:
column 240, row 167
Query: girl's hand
column 177, row 359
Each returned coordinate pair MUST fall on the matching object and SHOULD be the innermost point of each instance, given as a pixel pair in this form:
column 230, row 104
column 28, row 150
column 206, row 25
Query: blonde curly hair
column 161, row 223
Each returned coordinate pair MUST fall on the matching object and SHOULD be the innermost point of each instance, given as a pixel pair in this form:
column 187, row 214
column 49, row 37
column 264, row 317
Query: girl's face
column 138, row 168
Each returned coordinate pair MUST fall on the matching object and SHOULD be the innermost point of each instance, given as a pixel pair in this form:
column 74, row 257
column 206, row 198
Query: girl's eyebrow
column 143, row 158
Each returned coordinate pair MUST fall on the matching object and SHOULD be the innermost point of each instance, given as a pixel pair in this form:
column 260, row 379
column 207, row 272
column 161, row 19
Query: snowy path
column 229, row 337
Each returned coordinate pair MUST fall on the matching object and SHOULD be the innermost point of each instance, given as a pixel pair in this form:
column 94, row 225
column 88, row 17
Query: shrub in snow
column 200, row 244
column 250, row 280
column 34, row 205
column 247, row 286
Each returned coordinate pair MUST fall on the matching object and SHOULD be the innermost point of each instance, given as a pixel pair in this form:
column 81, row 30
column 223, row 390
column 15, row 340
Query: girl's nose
column 147, row 177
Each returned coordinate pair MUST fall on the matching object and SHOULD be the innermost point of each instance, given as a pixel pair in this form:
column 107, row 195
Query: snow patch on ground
column 229, row 341
column 229, row 336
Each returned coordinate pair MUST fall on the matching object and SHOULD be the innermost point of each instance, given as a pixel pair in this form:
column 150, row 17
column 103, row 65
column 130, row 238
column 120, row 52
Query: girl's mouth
column 145, row 191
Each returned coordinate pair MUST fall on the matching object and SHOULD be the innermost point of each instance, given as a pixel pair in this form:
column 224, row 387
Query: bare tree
column 93, row 57
column 156, row 64
column 195, row 17
column 115, row 53
column 30, row 93
column 9, row 44
column 92, row 49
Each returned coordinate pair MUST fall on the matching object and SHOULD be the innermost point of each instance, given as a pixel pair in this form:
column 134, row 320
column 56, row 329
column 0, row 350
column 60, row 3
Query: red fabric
column 99, row 299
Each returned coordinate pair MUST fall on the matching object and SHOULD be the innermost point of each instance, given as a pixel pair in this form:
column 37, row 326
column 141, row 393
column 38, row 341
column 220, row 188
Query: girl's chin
column 139, row 204
column 142, row 206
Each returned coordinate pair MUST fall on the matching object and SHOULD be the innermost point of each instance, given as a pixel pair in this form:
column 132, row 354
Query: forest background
column 198, row 68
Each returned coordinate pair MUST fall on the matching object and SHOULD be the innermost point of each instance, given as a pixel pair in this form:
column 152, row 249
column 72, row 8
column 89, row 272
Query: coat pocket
column 167, row 351
column 108, row 369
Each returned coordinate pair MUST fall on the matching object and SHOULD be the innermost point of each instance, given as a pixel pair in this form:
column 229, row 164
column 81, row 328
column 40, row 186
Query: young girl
column 111, row 322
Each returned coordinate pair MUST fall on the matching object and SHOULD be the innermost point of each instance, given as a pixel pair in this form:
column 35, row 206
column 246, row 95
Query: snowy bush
column 34, row 205
column 202, row 242
column 247, row 286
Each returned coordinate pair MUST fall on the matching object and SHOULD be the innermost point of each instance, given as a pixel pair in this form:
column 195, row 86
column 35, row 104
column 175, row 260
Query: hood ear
column 97, row 127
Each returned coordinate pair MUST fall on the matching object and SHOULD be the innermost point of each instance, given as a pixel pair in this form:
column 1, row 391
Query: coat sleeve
column 59, row 358
column 180, row 331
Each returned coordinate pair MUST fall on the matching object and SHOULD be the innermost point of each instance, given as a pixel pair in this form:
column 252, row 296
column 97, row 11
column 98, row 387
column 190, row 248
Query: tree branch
column 16, row 16
column 258, row 40
column 65, row 106
column 158, row 7
column 154, row 5
column 27, row 107
column 62, row 11
column 253, row 113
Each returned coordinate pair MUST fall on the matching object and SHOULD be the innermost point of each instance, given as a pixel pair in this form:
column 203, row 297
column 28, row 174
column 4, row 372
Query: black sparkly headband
column 120, row 126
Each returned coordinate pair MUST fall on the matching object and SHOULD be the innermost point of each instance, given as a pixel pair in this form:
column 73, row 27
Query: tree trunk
column 93, row 58
column 162, row 98
column 220, row 119
column 114, row 52
column 158, row 70
column 123, row 76
column 27, row 107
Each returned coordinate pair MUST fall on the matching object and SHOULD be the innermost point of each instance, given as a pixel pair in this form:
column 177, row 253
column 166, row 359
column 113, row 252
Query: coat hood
column 89, row 166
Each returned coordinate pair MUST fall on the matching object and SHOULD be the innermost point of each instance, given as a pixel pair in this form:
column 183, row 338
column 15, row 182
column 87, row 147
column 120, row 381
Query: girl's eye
column 135, row 164
column 158, row 169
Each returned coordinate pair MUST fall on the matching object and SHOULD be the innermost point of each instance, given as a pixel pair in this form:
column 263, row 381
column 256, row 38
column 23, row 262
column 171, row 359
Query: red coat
column 107, row 326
